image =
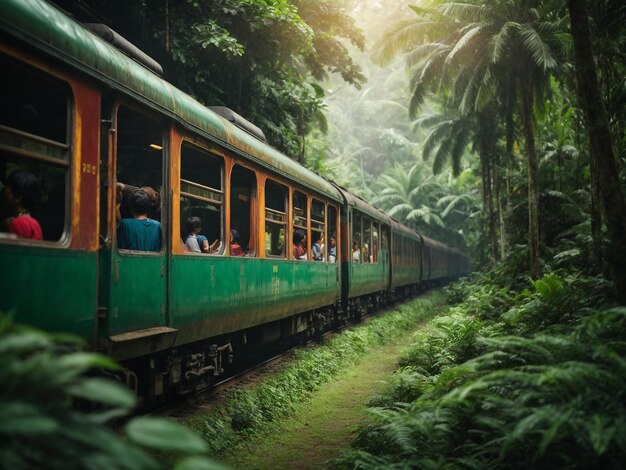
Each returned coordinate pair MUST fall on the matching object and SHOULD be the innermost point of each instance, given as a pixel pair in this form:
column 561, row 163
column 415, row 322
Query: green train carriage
column 123, row 123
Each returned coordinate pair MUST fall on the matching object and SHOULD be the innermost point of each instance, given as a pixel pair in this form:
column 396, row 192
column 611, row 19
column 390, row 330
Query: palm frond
column 500, row 41
column 442, row 155
column 464, row 12
column 461, row 141
column 424, row 52
column 464, row 42
column 537, row 48
column 400, row 36
column 435, row 136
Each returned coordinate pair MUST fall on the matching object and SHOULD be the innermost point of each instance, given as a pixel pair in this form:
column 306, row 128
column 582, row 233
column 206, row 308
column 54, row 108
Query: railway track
column 213, row 395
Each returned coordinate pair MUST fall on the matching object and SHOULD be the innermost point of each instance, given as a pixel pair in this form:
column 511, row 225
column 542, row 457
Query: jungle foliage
column 261, row 58
column 523, row 375
column 57, row 413
column 504, row 87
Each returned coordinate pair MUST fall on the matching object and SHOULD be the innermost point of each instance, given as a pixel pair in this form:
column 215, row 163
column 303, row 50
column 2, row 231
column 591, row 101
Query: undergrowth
column 526, row 378
column 56, row 413
column 251, row 412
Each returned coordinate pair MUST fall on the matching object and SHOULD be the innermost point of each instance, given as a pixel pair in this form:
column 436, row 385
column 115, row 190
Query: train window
column 34, row 152
column 318, row 230
column 275, row 219
column 300, row 224
column 300, row 216
column 140, row 169
column 243, row 211
column 333, row 240
column 367, row 241
column 201, row 201
column 356, row 237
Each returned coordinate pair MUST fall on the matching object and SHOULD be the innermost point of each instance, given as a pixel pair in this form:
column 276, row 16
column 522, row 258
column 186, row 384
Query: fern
column 555, row 397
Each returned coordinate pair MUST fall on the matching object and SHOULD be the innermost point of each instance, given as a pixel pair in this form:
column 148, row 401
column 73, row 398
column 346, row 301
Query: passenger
column 195, row 242
column 356, row 254
column 20, row 194
column 154, row 209
column 299, row 243
column 235, row 247
column 366, row 256
column 119, row 197
column 318, row 248
column 332, row 250
column 193, row 225
column 139, row 233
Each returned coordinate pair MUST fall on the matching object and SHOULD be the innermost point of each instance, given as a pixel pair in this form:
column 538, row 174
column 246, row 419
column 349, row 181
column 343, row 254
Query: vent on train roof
column 239, row 121
column 125, row 46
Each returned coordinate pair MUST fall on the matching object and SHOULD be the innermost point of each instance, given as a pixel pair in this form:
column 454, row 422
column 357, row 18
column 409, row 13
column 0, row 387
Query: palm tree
column 449, row 135
column 481, row 51
column 411, row 196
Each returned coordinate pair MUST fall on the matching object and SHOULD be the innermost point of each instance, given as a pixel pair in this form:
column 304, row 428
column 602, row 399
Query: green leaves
column 23, row 418
column 103, row 391
column 552, row 398
column 165, row 435
column 42, row 425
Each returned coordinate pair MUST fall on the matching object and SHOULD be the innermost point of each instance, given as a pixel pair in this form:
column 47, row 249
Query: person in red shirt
column 20, row 194
column 235, row 247
column 299, row 244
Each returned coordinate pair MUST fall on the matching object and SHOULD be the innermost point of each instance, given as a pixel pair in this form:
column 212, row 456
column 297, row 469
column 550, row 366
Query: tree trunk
column 596, row 219
column 533, row 179
column 487, row 128
column 600, row 143
column 498, row 208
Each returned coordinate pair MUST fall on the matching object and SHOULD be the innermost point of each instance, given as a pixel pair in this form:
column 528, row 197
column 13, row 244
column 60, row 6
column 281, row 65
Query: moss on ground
column 309, row 412
column 325, row 426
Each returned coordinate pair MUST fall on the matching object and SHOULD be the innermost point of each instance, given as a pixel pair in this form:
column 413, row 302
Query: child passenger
column 318, row 248
column 195, row 242
column 20, row 194
column 235, row 247
column 299, row 244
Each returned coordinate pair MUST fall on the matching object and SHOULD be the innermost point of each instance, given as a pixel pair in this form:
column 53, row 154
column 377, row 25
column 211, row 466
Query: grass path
column 324, row 427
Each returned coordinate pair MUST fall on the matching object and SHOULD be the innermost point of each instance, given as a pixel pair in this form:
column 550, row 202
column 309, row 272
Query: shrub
column 448, row 340
column 549, row 401
column 44, row 377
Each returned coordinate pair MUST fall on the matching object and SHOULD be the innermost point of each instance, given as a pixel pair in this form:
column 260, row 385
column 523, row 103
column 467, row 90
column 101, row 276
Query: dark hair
column 23, row 183
column 298, row 236
column 192, row 223
column 139, row 202
column 317, row 236
column 234, row 234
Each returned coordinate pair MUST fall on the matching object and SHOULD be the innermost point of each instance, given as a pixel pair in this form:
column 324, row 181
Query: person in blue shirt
column 332, row 250
column 318, row 246
column 139, row 233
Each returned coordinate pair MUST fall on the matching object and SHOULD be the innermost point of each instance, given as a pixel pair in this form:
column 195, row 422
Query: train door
column 138, row 262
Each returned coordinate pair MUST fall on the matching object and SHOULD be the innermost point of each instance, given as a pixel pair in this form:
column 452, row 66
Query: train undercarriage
column 191, row 367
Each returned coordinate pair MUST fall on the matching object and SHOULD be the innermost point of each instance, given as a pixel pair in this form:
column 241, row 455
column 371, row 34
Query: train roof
column 398, row 227
column 47, row 28
column 438, row 245
column 363, row 206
